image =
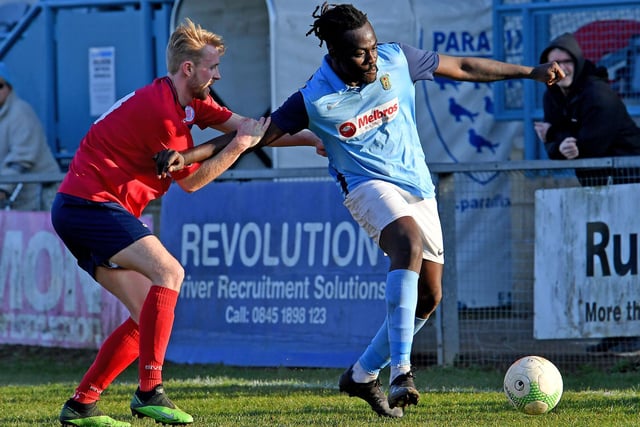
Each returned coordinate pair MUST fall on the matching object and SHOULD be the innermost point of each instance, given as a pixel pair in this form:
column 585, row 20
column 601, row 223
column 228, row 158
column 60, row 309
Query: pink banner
column 45, row 298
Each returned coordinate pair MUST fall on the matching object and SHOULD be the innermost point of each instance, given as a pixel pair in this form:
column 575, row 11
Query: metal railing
column 460, row 334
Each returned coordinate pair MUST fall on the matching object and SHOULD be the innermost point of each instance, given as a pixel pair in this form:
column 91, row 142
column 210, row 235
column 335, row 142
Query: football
column 533, row 385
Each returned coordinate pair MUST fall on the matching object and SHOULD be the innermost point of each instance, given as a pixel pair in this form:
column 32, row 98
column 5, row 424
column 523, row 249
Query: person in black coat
column 584, row 117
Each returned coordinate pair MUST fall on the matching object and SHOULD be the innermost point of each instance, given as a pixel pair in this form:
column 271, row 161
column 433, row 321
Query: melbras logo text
column 369, row 119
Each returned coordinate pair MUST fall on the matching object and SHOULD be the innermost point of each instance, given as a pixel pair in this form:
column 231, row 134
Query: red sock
column 117, row 352
column 156, row 322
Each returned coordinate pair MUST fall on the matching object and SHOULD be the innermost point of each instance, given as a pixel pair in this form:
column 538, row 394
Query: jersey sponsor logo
column 347, row 129
column 370, row 119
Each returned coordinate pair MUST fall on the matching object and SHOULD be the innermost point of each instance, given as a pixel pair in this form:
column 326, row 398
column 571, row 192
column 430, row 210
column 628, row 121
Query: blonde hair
column 187, row 42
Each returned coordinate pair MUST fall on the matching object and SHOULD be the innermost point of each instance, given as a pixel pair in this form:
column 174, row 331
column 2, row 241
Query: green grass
column 34, row 382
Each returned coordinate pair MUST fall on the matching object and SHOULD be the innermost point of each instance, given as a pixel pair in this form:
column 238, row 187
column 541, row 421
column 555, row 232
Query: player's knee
column 173, row 276
column 178, row 278
column 437, row 296
column 406, row 254
column 416, row 249
column 427, row 304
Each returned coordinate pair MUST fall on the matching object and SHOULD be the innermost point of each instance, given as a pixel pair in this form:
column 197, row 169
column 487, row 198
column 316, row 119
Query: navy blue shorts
column 94, row 231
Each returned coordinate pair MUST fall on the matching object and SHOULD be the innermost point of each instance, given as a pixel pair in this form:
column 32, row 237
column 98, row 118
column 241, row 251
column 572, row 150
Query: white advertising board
column 586, row 262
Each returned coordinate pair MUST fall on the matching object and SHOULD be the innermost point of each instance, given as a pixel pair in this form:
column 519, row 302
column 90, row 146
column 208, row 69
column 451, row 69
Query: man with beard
column 111, row 179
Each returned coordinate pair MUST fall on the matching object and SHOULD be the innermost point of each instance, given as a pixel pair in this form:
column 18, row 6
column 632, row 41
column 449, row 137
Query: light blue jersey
column 370, row 132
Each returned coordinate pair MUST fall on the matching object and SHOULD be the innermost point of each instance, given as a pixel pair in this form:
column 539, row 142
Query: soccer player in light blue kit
column 361, row 103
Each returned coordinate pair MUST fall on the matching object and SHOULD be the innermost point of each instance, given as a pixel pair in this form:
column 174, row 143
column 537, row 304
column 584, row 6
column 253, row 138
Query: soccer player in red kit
column 111, row 179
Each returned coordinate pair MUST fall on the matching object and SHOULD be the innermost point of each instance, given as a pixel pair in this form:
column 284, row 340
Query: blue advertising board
column 276, row 274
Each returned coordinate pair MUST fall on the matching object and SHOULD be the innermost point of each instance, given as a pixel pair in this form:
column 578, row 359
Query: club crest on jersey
column 190, row 114
column 386, row 82
column 369, row 119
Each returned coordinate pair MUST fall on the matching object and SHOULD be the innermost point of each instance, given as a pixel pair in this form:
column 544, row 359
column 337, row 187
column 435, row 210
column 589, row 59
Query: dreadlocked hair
column 332, row 20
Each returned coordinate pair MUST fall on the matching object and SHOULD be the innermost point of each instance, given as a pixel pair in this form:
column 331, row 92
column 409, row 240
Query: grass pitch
column 35, row 382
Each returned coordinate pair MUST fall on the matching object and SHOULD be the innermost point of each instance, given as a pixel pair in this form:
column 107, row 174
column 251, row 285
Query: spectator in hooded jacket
column 23, row 149
column 585, row 118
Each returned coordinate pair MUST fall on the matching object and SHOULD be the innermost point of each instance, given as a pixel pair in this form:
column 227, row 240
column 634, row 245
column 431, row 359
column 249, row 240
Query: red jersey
column 114, row 162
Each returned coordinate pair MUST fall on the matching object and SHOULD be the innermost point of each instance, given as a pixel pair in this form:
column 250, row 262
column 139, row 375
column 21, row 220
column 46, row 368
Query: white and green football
column 533, row 385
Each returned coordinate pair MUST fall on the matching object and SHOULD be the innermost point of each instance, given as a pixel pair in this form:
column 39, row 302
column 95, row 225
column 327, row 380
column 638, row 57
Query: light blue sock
column 402, row 297
column 377, row 355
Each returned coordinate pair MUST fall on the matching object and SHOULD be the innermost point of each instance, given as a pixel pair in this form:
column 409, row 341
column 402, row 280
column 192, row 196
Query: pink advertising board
column 45, row 298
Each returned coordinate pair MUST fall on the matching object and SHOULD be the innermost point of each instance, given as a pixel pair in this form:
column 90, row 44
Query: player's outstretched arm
column 549, row 73
column 249, row 133
column 489, row 70
column 168, row 161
